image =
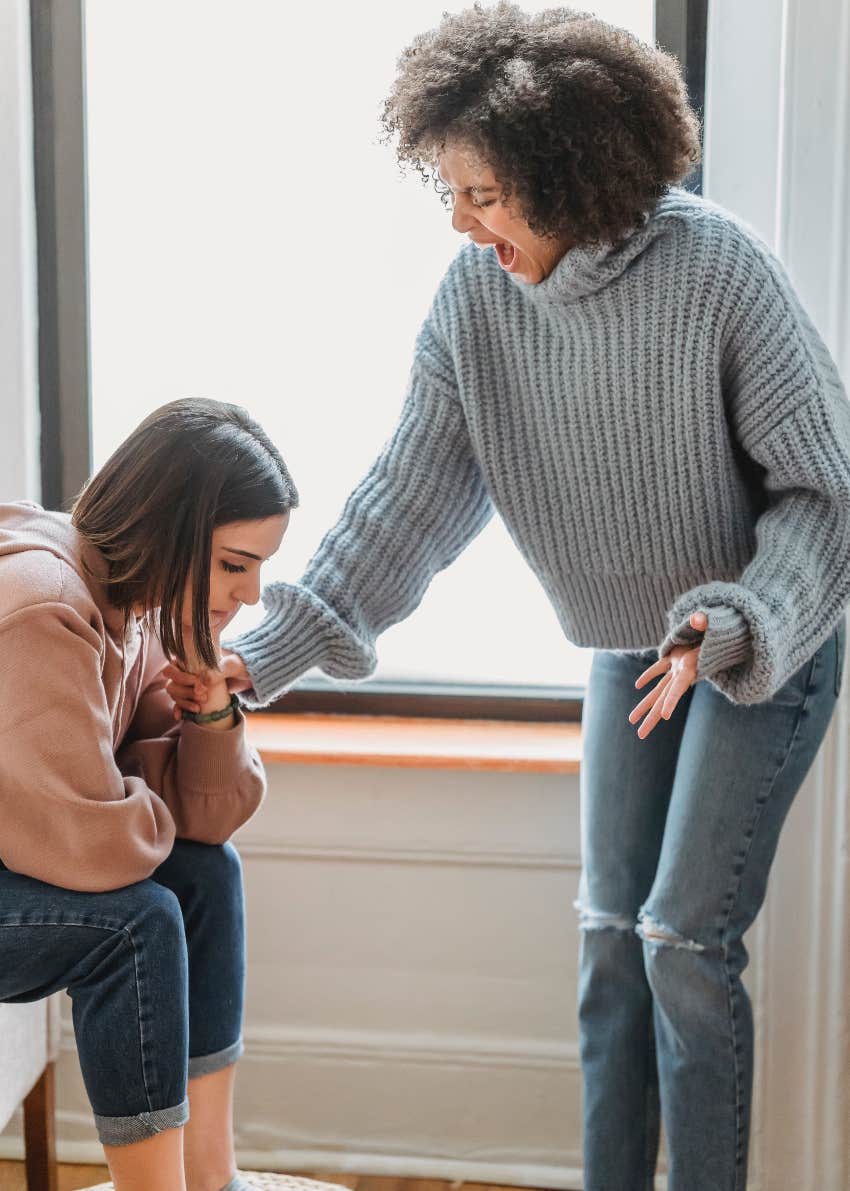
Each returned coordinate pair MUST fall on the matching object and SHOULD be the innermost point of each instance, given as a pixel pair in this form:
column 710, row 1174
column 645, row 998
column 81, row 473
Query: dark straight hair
column 191, row 466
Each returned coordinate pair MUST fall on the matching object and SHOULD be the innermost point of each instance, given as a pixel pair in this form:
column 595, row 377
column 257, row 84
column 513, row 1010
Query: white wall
column 18, row 319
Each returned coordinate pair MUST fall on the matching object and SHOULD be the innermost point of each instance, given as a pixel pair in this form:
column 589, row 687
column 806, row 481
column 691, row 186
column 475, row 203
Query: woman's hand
column 679, row 670
column 195, row 691
column 201, row 689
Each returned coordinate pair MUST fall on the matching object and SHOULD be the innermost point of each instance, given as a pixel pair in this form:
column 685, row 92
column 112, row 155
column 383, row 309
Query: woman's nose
column 462, row 218
column 248, row 590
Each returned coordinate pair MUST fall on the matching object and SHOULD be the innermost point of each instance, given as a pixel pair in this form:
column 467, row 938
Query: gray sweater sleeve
column 420, row 504
column 789, row 412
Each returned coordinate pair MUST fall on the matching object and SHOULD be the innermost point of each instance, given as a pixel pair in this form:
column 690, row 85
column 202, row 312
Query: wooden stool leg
column 42, row 1172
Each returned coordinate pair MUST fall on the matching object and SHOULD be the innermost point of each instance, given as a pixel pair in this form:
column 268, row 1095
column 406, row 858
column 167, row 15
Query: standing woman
column 117, row 882
column 624, row 373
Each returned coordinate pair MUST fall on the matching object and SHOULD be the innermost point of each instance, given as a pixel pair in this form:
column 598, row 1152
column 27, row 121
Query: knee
column 592, row 920
column 664, row 950
column 146, row 916
column 605, row 934
column 199, row 870
column 160, row 907
column 215, row 864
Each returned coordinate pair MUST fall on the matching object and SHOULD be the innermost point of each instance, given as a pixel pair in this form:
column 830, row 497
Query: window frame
column 59, row 147
column 57, row 42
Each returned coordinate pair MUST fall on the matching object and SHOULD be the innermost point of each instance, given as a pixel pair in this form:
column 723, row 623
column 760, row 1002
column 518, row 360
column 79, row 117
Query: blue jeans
column 678, row 835
column 156, row 973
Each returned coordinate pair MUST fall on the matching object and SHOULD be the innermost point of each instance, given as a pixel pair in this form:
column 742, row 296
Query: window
column 249, row 239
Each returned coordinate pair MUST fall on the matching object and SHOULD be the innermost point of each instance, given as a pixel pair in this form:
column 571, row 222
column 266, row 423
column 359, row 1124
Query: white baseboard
column 330, row 1162
column 456, row 1103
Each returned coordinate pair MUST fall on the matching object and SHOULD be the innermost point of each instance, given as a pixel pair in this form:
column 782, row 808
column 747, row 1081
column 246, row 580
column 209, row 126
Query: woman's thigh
column 121, row 955
column 52, row 938
column 626, row 785
column 738, row 770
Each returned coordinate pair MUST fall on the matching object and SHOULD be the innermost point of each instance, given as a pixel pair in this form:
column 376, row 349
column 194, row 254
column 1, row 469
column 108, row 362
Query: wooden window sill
column 411, row 742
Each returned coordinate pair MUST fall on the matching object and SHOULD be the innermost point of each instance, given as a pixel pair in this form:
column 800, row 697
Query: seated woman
column 117, row 882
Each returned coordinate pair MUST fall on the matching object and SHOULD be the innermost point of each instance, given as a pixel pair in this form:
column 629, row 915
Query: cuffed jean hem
column 123, row 1131
column 207, row 1064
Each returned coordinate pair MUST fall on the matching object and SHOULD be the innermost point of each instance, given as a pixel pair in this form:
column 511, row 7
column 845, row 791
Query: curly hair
column 586, row 125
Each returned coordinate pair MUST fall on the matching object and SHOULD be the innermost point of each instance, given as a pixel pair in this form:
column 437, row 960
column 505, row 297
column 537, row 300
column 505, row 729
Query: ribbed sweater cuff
column 212, row 761
column 725, row 643
column 298, row 633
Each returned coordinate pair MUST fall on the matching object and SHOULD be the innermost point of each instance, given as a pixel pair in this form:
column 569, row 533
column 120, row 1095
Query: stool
column 265, row 1180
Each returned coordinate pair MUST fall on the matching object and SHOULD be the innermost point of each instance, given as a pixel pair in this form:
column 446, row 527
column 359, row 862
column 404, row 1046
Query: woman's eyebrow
column 468, row 189
column 243, row 553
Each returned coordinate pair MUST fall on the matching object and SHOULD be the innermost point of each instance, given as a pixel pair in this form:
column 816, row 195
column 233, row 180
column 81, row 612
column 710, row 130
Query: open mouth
column 507, row 256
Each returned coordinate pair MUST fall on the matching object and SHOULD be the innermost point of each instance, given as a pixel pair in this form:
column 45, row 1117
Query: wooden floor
column 72, row 1178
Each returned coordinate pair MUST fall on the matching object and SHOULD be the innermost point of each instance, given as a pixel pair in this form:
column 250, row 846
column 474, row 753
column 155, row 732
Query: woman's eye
column 231, row 569
column 486, row 203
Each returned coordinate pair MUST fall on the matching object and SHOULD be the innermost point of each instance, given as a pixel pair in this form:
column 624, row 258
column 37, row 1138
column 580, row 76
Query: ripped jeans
column 156, row 974
column 678, row 835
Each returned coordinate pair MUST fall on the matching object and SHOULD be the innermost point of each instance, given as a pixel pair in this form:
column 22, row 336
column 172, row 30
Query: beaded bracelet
column 232, row 706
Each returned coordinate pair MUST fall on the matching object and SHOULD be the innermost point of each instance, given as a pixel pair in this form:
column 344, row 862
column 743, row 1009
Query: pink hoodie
column 96, row 779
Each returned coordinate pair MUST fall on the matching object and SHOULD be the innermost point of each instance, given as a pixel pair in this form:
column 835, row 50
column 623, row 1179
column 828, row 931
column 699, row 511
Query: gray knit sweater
column 661, row 429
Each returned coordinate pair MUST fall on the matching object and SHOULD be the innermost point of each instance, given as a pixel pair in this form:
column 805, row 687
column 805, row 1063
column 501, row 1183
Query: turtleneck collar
column 586, row 270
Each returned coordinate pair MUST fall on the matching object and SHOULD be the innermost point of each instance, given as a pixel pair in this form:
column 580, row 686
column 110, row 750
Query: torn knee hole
column 590, row 919
column 654, row 932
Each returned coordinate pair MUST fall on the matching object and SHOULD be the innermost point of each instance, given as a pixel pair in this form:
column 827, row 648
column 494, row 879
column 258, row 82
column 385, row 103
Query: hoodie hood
column 26, row 526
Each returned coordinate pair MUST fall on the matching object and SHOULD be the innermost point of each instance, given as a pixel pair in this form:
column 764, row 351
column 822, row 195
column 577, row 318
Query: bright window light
column 251, row 241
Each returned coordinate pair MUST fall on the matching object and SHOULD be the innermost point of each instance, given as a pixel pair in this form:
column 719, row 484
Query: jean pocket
column 840, row 646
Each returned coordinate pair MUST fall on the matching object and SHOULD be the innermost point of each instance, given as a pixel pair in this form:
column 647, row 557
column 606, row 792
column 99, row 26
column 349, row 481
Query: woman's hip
column 691, row 815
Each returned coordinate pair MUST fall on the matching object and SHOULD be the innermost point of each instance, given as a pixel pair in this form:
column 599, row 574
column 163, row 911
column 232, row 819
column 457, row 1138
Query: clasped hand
column 678, row 671
column 195, row 689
